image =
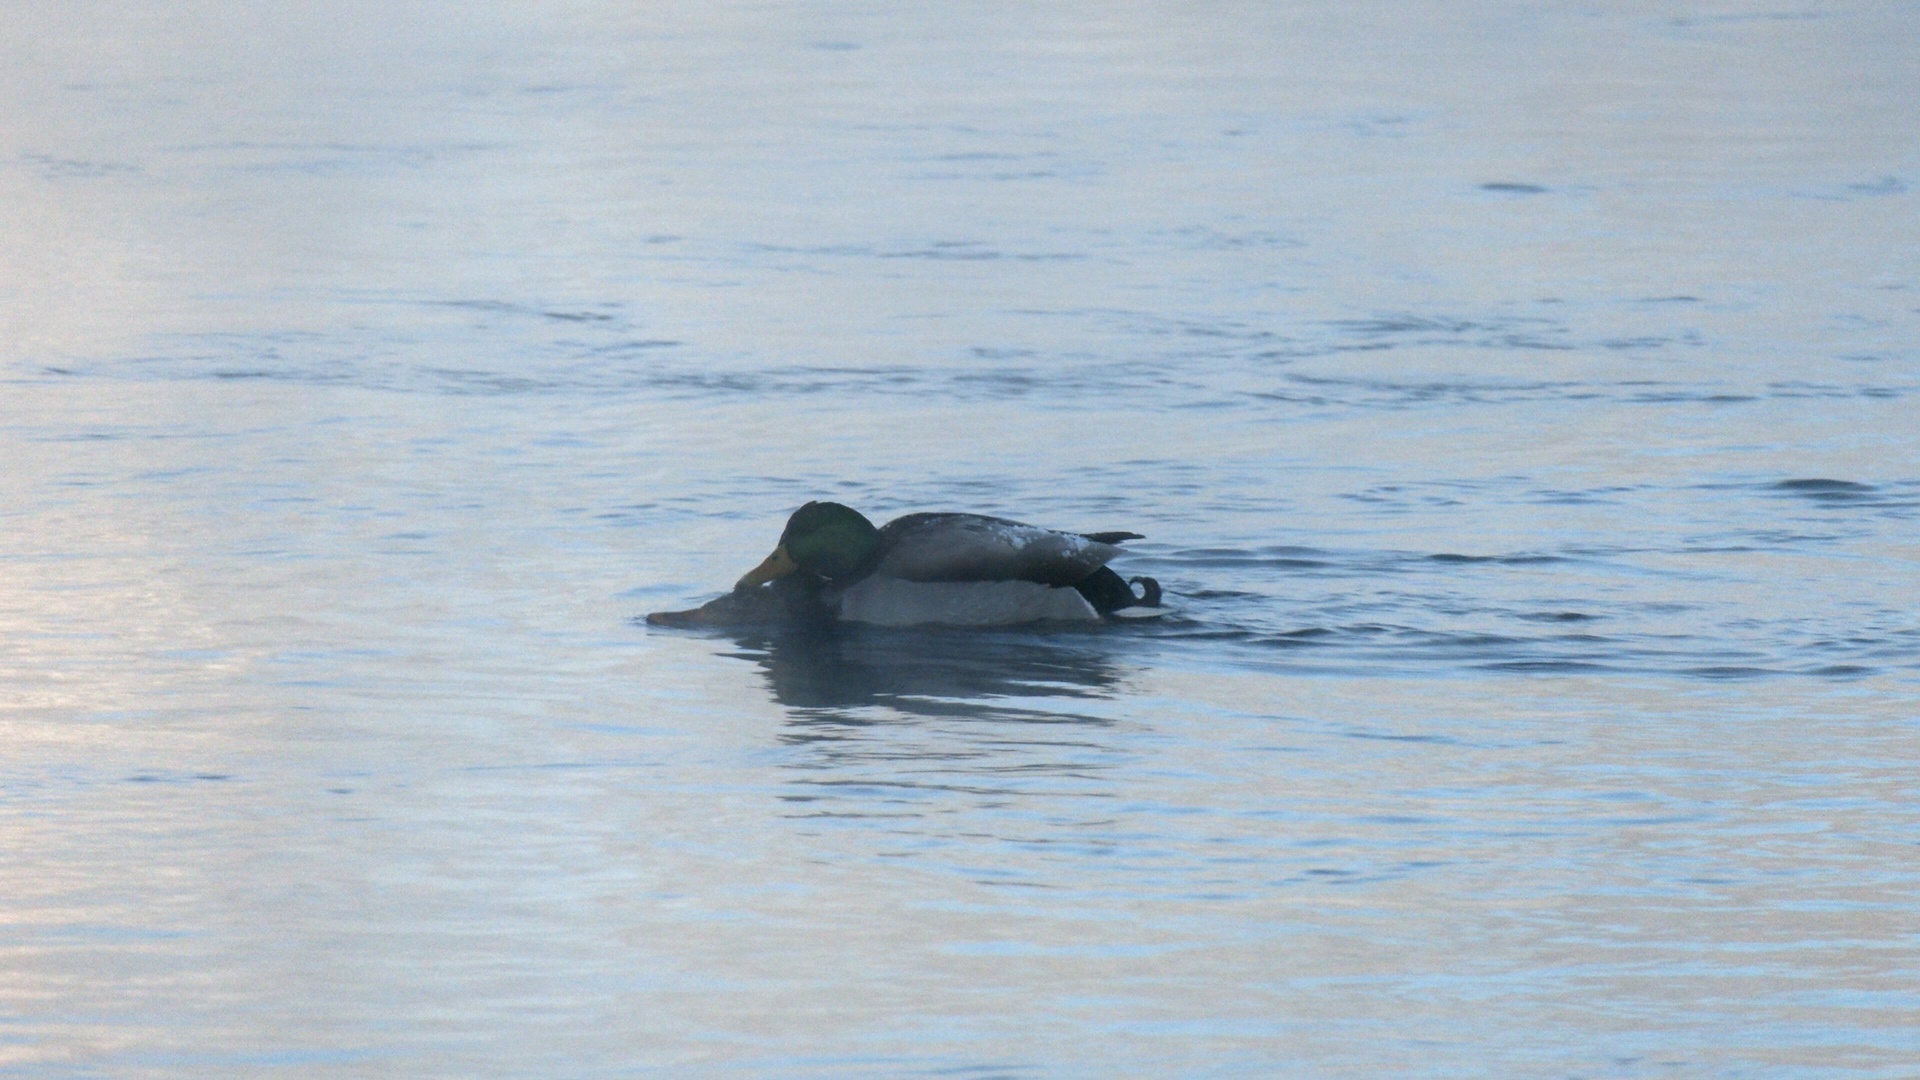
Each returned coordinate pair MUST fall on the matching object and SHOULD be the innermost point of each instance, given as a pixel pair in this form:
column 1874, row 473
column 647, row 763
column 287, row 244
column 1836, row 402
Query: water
column 1518, row 404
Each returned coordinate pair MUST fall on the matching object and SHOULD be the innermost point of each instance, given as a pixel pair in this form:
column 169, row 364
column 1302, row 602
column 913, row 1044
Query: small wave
column 1310, row 637
column 1545, row 666
column 1820, row 489
column 1727, row 671
column 1505, row 560
column 1841, row 671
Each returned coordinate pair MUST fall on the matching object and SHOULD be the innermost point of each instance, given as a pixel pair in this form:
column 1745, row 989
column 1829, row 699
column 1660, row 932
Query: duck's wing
column 974, row 547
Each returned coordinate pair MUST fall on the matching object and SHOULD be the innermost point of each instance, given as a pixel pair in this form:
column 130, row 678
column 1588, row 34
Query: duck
column 833, row 565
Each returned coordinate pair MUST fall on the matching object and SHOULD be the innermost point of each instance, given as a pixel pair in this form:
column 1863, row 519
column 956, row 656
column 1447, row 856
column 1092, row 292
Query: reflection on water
column 1517, row 405
column 890, row 727
column 931, row 672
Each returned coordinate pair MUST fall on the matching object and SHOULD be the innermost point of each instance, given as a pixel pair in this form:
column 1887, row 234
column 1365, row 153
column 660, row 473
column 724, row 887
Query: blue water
column 1518, row 404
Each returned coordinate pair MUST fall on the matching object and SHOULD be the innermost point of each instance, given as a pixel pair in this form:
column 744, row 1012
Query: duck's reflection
column 896, row 725
column 931, row 672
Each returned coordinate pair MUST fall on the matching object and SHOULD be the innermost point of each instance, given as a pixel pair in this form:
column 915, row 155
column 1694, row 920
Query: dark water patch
column 1558, row 617
column 1763, row 540
column 853, row 250
column 1386, row 325
column 57, row 169
column 1383, row 392
column 1821, row 491
column 1748, row 16
column 459, row 382
column 1354, row 392
column 1586, row 641
column 954, row 250
column 1204, row 238
column 1004, row 383
column 1503, row 560
column 1507, row 187
column 1886, row 185
column 1468, row 641
column 1727, row 671
column 1322, row 390
column 1688, row 396
column 894, row 788
column 1215, row 333
column 1802, row 390
column 1821, row 488
column 85, row 436
column 1597, row 497
column 1311, row 637
column 1546, row 667
column 610, row 311
column 1503, row 332
column 1523, row 341
column 1392, row 126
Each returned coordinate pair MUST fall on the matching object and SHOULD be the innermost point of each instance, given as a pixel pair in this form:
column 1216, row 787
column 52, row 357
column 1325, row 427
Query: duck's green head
column 822, row 538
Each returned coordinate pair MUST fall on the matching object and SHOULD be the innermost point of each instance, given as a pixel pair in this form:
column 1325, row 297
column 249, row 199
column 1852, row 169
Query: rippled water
column 1519, row 405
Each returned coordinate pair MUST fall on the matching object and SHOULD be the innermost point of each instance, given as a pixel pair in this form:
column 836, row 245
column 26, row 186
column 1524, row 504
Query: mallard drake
column 832, row 564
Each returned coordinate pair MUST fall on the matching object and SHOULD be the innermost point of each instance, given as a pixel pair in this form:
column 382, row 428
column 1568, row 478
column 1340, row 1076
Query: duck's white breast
column 885, row 601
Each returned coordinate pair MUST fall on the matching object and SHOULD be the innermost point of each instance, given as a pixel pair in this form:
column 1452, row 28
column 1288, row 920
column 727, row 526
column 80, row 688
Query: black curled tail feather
column 1108, row 593
column 1149, row 591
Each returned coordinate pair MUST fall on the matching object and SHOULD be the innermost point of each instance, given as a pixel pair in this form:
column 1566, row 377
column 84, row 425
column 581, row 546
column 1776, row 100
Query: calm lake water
column 1519, row 402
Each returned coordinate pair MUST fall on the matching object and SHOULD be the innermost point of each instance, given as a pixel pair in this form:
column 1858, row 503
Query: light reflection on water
column 1526, row 447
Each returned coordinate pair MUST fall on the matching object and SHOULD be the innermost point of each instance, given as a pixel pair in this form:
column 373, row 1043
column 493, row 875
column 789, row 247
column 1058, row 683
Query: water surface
column 1518, row 405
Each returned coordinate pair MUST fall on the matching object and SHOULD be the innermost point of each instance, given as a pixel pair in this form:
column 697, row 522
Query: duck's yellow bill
column 778, row 564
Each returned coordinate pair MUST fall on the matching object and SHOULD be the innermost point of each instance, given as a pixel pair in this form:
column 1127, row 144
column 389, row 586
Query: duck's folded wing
column 973, row 547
